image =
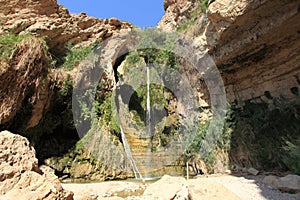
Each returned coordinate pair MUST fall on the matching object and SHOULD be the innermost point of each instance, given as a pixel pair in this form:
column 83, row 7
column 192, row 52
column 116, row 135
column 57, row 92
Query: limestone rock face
column 20, row 177
column 24, row 76
column 255, row 45
column 55, row 23
column 175, row 11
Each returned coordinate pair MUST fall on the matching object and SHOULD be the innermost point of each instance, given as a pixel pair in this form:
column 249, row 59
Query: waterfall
column 148, row 111
column 136, row 172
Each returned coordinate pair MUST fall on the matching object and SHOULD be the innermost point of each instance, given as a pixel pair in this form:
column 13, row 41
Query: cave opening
column 120, row 59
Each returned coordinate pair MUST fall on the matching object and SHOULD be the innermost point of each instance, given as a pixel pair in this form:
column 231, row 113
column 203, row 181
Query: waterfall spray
column 136, row 172
column 148, row 108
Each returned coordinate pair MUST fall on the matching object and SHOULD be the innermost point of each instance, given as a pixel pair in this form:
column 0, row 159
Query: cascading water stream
column 148, row 108
column 136, row 172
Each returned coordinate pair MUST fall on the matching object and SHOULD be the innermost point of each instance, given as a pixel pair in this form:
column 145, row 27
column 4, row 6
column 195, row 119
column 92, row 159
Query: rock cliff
column 20, row 176
column 254, row 44
column 36, row 90
column 54, row 22
column 256, row 47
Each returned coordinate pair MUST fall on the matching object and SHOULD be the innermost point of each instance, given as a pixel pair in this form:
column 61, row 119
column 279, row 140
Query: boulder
column 288, row 183
column 20, row 177
column 269, row 180
column 166, row 188
column 253, row 171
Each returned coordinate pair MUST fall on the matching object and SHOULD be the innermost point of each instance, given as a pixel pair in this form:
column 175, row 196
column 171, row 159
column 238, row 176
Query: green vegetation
column 67, row 87
column 8, row 44
column 155, row 46
column 76, row 55
column 259, row 133
column 203, row 5
column 256, row 136
column 193, row 17
column 108, row 116
column 103, row 110
column 156, row 95
column 292, row 157
column 132, row 58
column 223, row 144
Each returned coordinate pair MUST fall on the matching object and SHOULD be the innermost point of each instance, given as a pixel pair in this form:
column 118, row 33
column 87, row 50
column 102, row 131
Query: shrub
column 192, row 18
column 203, row 5
column 260, row 132
column 8, row 44
column 133, row 58
column 292, row 158
column 75, row 56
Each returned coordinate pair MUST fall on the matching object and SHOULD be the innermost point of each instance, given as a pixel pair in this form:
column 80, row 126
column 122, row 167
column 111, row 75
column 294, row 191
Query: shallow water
column 134, row 180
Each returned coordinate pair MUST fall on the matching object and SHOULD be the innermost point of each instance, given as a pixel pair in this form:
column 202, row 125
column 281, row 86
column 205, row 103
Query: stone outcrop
column 26, row 70
column 30, row 88
column 289, row 183
column 24, row 76
column 55, row 23
column 255, row 45
column 175, row 12
column 20, row 176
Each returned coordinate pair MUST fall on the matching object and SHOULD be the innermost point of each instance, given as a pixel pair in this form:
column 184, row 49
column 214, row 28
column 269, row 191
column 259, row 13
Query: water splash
column 136, row 172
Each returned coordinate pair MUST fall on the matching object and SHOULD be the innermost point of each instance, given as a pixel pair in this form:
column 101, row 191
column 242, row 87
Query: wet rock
column 20, row 177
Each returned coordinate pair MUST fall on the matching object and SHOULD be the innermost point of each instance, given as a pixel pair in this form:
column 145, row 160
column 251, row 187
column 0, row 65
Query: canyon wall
column 255, row 44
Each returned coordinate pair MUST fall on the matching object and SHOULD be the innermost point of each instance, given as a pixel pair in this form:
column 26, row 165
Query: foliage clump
column 193, row 16
column 260, row 132
column 75, row 55
column 292, row 157
column 9, row 43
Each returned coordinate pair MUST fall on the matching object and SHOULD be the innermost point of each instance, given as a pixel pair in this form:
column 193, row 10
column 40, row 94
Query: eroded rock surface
column 175, row 11
column 253, row 43
column 24, row 76
column 20, row 177
column 55, row 23
column 256, row 47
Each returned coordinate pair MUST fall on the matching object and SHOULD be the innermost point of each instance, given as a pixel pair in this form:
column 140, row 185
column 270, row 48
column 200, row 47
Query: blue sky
column 143, row 13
